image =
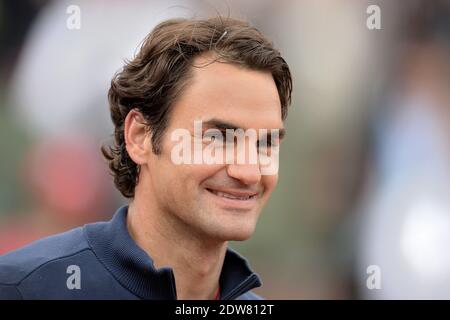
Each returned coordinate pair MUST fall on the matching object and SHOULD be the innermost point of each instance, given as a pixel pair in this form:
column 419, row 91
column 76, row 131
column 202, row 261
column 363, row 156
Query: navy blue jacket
column 108, row 264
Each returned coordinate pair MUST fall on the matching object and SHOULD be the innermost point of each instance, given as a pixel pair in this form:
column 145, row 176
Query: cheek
column 269, row 183
column 190, row 177
column 201, row 173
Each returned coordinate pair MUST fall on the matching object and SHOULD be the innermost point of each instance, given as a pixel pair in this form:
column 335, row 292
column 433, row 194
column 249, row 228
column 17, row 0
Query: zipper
column 245, row 286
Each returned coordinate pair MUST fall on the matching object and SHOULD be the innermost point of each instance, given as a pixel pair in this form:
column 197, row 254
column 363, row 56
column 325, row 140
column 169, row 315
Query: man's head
column 222, row 72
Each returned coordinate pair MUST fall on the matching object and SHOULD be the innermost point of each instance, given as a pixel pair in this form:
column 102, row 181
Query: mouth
column 233, row 194
column 234, row 199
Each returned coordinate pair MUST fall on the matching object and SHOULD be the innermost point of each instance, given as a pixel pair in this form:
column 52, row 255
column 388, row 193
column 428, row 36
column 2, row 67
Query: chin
column 241, row 237
column 236, row 233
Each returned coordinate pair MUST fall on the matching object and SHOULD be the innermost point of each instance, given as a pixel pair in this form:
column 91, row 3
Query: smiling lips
column 234, row 199
column 235, row 195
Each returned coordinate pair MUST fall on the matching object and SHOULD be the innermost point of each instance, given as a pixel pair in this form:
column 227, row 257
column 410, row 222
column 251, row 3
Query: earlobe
column 136, row 136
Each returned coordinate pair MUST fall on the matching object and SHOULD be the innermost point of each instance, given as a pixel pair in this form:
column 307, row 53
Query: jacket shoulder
column 18, row 264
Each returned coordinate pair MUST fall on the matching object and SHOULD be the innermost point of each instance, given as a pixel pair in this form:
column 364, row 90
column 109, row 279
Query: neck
column 196, row 263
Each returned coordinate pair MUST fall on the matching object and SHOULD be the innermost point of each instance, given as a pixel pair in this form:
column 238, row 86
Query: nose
column 243, row 168
column 246, row 173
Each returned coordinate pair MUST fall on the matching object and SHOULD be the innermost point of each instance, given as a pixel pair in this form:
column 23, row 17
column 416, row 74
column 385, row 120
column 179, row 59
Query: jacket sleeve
column 9, row 292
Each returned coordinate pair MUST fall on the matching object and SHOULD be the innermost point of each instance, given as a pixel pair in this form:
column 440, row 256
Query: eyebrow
column 223, row 125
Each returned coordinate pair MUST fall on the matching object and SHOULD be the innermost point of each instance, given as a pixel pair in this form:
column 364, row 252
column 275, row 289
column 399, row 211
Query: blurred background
column 365, row 168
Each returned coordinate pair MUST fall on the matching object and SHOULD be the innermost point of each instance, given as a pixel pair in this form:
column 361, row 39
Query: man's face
column 219, row 201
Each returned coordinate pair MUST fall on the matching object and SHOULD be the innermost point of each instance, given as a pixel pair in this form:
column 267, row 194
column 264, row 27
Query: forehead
column 248, row 98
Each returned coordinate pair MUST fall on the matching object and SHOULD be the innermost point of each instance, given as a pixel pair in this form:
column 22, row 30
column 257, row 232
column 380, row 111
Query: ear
column 137, row 137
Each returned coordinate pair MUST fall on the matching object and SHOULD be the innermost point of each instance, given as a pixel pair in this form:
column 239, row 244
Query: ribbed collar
column 134, row 268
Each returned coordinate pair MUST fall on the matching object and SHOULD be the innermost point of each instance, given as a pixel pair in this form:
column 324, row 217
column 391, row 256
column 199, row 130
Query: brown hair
column 155, row 77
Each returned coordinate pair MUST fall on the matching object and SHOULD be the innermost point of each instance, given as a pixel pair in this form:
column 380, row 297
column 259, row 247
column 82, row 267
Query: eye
column 264, row 144
column 228, row 138
column 212, row 136
column 231, row 139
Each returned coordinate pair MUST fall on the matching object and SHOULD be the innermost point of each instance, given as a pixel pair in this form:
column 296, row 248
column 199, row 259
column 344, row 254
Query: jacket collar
column 134, row 268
